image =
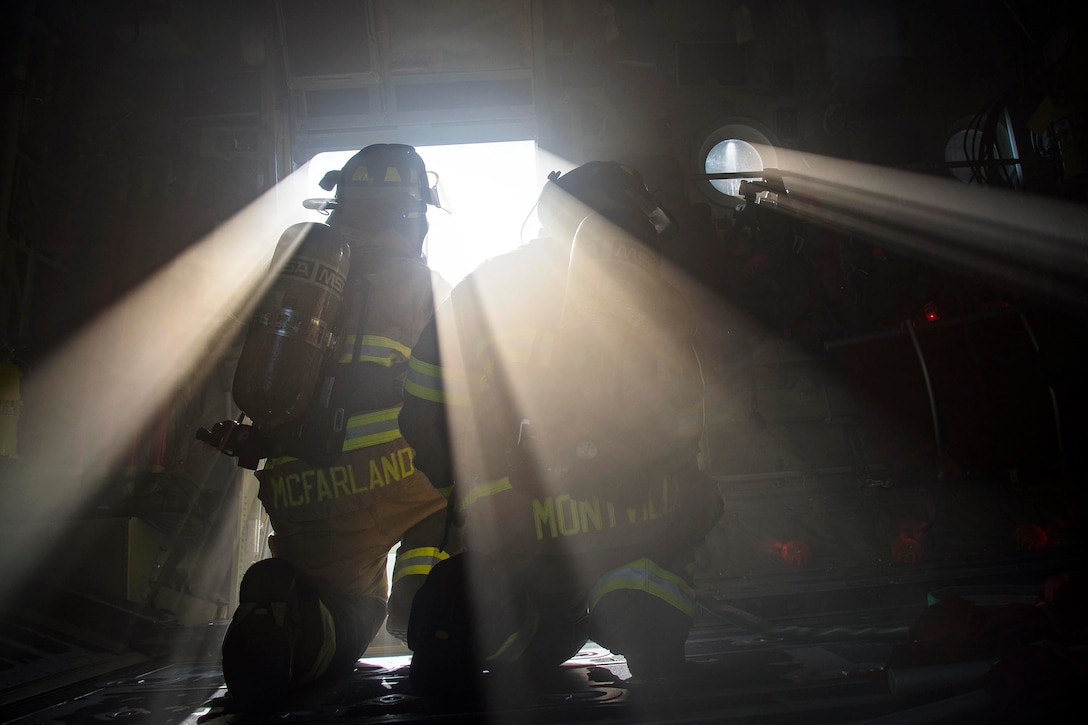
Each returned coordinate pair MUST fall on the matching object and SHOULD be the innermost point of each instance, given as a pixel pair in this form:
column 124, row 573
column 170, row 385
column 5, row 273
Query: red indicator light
column 795, row 553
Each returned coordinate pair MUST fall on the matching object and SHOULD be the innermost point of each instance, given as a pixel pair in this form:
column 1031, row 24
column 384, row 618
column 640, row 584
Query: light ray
column 1038, row 243
column 544, row 514
column 97, row 394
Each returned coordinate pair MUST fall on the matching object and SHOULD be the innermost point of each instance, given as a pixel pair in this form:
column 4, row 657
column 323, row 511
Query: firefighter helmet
column 611, row 189
column 383, row 188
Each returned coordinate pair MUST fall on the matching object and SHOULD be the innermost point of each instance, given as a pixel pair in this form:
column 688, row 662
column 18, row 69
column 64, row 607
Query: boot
column 647, row 631
column 258, row 647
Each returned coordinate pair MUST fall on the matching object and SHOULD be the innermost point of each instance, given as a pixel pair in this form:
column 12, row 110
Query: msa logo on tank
column 315, row 271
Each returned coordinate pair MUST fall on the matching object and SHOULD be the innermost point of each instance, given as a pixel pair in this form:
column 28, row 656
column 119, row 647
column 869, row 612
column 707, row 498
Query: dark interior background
column 855, row 387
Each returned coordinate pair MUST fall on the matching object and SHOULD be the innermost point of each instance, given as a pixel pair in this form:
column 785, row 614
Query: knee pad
column 258, row 650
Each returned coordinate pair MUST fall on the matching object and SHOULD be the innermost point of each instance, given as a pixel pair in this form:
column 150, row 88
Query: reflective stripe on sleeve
column 371, row 429
column 431, row 382
column 384, row 351
column 484, row 490
column 645, row 576
column 418, row 561
column 365, row 429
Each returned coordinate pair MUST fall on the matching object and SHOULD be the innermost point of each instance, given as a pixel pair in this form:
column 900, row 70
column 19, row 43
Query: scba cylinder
column 293, row 329
column 613, row 266
column 612, row 283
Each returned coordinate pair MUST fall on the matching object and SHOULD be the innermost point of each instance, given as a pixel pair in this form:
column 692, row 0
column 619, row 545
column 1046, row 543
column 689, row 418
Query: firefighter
column 556, row 401
column 310, row 610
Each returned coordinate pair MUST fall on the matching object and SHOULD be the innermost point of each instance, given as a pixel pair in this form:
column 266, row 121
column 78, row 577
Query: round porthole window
column 972, row 161
column 728, row 155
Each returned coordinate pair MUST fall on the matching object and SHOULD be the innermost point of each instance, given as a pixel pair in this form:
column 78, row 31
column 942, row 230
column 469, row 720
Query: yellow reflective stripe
column 416, row 569
column 484, row 490
column 347, row 346
column 424, row 380
column 424, row 551
column 372, row 428
column 515, row 645
column 384, row 351
column 432, row 382
column 446, row 491
column 645, row 576
column 417, row 561
column 328, row 647
column 365, row 429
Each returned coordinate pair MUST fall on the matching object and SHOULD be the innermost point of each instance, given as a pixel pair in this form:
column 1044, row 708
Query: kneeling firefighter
column 321, row 374
column 557, row 400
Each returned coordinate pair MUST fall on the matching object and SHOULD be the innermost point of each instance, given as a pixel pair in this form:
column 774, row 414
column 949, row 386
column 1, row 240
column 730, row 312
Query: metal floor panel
column 746, row 678
column 776, row 651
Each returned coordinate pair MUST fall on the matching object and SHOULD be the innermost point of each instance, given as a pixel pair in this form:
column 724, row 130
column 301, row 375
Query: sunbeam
column 1034, row 242
column 98, row 393
column 576, row 378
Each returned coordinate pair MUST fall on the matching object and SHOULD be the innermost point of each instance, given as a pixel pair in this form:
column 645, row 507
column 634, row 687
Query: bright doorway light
column 487, row 191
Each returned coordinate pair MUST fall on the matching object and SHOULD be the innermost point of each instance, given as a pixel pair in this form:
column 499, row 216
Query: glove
column 239, row 440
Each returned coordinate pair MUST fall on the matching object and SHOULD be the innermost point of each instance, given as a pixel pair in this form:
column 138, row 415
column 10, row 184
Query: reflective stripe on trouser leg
column 418, row 561
column 514, row 646
column 328, row 647
column 645, row 576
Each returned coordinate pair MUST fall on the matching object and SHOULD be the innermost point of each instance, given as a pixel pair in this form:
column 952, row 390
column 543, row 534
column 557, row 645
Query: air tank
column 293, row 329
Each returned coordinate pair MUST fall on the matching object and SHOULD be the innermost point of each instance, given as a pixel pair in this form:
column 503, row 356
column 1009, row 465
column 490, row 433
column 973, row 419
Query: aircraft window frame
column 968, row 163
column 748, row 136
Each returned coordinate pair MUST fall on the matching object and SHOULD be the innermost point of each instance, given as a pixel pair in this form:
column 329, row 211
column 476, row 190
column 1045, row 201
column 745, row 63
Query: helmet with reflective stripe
column 381, row 189
column 611, row 189
column 385, row 169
